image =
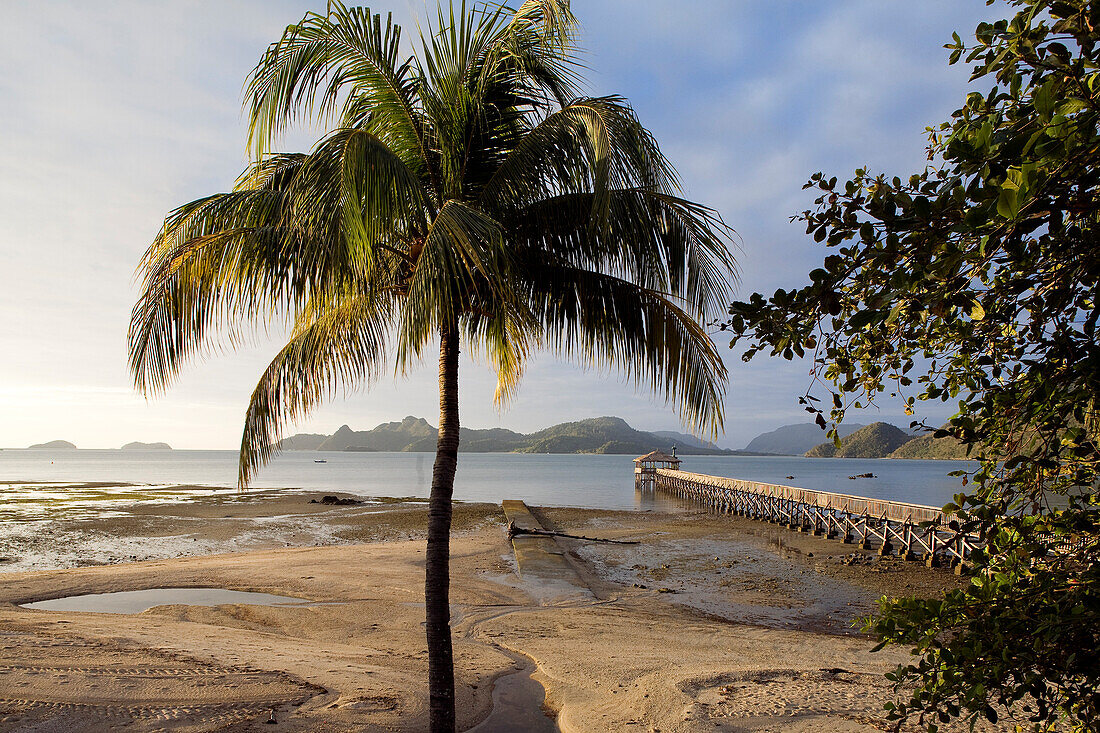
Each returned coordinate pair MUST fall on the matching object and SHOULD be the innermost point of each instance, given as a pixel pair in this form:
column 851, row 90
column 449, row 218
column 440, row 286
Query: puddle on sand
column 136, row 601
column 517, row 705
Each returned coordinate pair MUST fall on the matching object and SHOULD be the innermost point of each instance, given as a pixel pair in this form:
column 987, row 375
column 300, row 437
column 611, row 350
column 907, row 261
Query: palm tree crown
column 468, row 192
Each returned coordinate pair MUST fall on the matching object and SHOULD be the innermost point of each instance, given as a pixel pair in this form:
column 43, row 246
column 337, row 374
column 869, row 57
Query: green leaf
column 863, row 318
column 1007, row 203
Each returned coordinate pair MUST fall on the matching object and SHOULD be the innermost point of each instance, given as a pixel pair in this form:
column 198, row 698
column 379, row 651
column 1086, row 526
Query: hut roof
column 657, row 456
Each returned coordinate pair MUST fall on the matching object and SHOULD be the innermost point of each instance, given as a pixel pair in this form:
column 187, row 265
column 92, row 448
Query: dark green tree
column 976, row 281
column 469, row 194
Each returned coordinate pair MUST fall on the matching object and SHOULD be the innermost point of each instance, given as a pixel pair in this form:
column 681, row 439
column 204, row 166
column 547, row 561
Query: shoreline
column 630, row 658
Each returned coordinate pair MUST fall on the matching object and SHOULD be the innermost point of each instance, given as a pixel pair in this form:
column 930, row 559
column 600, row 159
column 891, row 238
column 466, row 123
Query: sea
column 590, row 481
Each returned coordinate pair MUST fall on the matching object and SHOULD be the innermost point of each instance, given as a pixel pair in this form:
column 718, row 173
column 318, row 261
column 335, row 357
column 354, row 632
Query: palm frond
column 463, row 261
column 344, row 54
column 505, row 334
column 661, row 242
column 339, row 344
column 540, row 42
column 377, row 197
column 592, row 145
column 612, row 323
column 339, row 213
column 218, row 260
column 553, row 21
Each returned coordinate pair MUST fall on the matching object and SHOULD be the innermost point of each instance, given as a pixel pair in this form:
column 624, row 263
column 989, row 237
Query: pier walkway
column 913, row 531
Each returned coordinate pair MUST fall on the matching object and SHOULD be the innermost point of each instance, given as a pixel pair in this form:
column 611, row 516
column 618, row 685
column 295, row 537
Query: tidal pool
column 136, row 601
column 518, row 705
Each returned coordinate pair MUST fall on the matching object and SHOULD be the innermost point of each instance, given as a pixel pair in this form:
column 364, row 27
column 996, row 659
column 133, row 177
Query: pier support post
column 887, row 546
column 907, row 542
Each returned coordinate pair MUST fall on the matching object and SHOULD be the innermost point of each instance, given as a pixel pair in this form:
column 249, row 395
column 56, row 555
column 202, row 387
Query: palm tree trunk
column 437, row 578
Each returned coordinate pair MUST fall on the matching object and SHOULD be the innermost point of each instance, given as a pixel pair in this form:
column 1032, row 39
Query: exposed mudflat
column 707, row 624
column 80, row 525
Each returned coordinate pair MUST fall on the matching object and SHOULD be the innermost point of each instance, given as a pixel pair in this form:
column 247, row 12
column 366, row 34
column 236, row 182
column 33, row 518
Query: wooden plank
column 861, row 519
column 893, row 510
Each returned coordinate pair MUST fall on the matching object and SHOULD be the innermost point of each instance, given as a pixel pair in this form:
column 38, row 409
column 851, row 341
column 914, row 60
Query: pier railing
column 914, row 531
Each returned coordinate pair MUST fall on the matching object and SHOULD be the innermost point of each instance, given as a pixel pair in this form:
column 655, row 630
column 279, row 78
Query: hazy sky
column 113, row 113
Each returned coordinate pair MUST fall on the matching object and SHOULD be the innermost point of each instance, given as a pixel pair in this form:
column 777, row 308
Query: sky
column 114, row 113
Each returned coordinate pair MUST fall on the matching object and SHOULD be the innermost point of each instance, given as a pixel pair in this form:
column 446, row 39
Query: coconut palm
column 467, row 194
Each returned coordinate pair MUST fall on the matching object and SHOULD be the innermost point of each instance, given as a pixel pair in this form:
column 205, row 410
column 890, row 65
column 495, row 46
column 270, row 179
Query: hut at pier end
column 645, row 468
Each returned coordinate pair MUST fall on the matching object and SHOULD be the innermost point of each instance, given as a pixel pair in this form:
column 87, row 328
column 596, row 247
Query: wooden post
column 865, row 541
column 887, row 546
column 907, row 541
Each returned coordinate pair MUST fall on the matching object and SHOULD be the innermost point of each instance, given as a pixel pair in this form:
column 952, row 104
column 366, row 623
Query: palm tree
column 469, row 193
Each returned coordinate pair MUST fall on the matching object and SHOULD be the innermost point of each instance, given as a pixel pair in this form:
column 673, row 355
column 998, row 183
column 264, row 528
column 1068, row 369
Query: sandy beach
column 708, row 623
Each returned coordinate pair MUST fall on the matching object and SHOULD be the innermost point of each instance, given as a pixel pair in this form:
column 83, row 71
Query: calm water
column 595, row 481
column 136, row 601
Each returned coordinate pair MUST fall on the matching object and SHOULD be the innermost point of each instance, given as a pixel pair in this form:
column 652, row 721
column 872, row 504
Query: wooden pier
column 912, row 531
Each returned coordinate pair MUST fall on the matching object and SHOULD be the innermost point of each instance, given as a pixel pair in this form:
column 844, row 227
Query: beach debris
column 516, row 531
column 863, row 475
column 331, row 500
column 271, row 720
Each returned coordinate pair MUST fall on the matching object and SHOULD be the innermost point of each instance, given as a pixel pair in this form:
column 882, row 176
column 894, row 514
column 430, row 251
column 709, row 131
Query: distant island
column 137, row 445
column 53, row 445
column 594, row 435
column 882, row 440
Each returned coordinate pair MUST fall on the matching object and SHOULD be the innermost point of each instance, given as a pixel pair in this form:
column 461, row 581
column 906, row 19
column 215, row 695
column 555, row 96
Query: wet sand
column 708, row 623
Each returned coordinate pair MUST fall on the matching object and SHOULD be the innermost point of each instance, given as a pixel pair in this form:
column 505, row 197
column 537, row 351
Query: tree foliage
column 975, row 281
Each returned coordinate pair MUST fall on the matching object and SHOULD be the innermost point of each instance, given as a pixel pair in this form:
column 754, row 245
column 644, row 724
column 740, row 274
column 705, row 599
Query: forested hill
column 926, row 446
column 882, row 440
column 876, row 440
column 594, row 435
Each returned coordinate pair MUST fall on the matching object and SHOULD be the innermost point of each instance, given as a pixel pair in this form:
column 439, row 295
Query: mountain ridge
column 606, row 434
column 795, row 439
column 877, row 440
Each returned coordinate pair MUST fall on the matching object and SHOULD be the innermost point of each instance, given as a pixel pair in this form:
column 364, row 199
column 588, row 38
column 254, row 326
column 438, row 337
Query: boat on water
column 319, row 460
